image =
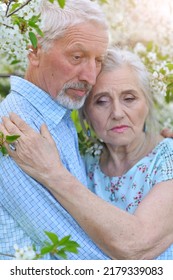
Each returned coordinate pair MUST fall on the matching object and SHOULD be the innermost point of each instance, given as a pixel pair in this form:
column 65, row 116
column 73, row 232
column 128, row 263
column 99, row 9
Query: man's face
column 68, row 70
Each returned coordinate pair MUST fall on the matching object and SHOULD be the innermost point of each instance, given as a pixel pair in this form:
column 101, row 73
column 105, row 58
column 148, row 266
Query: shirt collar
column 41, row 100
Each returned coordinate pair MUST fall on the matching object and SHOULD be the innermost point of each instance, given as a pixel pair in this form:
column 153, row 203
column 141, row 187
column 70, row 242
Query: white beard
column 67, row 102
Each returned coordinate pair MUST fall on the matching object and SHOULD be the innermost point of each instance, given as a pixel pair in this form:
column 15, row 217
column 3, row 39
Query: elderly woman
column 128, row 209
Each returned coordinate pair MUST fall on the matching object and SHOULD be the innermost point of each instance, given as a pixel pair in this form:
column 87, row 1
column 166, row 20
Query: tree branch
column 8, row 26
column 8, row 6
column 23, row 5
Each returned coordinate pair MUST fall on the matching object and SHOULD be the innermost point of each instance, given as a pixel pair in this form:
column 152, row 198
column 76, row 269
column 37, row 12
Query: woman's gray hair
column 117, row 58
column 55, row 20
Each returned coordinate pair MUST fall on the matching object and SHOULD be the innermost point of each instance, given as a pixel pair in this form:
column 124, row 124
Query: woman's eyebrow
column 99, row 94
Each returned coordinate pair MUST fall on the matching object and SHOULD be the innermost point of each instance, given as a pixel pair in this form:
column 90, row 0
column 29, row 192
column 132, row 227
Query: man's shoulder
column 165, row 147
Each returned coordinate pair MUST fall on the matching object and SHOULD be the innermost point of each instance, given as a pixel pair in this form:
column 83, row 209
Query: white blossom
column 95, row 150
column 26, row 253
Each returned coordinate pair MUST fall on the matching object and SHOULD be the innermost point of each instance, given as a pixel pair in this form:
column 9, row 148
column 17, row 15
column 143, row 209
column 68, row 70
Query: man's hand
column 167, row 133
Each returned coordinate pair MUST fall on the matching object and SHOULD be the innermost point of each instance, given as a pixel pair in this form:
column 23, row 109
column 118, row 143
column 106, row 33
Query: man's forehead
column 87, row 31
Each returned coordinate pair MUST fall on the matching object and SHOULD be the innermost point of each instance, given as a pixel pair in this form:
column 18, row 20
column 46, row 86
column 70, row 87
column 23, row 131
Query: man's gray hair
column 55, row 21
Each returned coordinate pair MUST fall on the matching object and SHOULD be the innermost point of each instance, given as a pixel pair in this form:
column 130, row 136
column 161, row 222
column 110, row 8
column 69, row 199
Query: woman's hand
column 35, row 153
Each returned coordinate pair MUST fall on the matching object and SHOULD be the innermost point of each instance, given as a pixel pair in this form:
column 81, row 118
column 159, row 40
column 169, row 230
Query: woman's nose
column 117, row 110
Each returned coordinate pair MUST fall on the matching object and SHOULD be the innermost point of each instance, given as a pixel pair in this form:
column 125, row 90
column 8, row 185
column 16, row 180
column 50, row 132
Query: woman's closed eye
column 102, row 101
column 129, row 98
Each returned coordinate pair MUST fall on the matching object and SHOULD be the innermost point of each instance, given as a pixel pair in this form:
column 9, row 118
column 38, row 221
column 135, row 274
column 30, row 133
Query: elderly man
column 61, row 72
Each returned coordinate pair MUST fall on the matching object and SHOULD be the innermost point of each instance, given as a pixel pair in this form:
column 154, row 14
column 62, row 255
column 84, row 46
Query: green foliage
column 30, row 25
column 54, row 246
column 85, row 142
column 61, row 3
column 4, row 88
column 33, row 39
column 58, row 246
column 8, row 139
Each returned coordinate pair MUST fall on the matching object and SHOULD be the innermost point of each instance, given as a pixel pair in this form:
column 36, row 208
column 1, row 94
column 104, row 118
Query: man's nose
column 89, row 73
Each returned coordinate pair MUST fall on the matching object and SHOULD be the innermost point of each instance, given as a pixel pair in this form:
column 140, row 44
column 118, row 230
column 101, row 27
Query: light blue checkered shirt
column 27, row 208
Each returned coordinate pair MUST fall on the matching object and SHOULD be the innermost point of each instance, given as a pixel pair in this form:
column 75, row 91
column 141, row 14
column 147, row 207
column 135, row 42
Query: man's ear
column 34, row 55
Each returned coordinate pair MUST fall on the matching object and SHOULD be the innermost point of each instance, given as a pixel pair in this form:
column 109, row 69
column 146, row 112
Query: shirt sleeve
column 164, row 162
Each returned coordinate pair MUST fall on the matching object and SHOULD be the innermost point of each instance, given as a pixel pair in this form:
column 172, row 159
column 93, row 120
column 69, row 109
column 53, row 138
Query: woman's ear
column 34, row 55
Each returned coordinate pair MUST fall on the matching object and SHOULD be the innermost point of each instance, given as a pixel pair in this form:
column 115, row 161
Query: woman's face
column 116, row 108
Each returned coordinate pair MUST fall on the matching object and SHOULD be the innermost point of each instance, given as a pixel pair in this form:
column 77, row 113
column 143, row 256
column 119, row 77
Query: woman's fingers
column 10, row 147
column 19, row 124
column 3, row 129
column 10, row 127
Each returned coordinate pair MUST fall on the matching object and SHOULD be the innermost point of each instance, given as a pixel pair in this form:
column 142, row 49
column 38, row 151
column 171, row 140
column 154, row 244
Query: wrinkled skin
column 36, row 153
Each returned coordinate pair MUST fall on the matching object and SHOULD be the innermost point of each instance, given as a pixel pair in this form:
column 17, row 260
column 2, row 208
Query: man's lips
column 78, row 92
column 120, row 128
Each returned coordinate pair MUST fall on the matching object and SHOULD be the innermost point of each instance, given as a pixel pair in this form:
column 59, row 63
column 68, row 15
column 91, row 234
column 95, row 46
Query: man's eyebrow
column 79, row 46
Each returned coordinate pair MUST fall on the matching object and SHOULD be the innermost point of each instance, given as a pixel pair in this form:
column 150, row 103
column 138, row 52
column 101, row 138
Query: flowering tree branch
column 16, row 10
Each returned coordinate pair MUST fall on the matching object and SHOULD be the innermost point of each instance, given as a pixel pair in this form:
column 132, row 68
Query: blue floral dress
column 128, row 190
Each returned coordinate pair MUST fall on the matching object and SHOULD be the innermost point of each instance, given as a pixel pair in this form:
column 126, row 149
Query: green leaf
column 1, row 137
column 46, row 250
column 3, row 151
column 103, row 1
column 71, row 249
column 51, row 1
column 170, row 66
column 61, row 3
column 15, row 19
column 170, row 85
column 62, row 254
column 15, row 61
column 14, row 7
column 35, row 18
column 33, row 39
column 11, row 138
column 32, row 24
column 64, row 240
column 53, row 237
column 167, row 97
column 149, row 46
column 39, row 31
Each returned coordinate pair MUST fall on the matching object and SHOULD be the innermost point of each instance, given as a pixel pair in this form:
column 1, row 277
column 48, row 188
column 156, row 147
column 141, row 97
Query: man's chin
column 71, row 104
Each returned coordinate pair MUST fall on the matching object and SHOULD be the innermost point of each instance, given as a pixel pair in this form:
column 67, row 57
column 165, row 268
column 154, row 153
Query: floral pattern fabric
column 127, row 191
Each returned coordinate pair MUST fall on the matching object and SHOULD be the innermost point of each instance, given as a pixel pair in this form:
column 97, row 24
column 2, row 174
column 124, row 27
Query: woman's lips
column 120, row 129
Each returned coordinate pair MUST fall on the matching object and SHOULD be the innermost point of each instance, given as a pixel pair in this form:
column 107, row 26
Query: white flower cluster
column 159, row 72
column 26, row 253
column 95, row 150
column 13, row 44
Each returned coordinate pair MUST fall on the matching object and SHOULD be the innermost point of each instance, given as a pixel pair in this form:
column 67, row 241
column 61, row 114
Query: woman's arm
column 144, row 235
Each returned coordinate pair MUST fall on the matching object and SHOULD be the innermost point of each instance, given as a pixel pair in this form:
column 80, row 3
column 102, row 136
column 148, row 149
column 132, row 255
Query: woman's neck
column 117, row 160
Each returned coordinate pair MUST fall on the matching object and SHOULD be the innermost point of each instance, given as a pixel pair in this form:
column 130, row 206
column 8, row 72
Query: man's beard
column 69, row 103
